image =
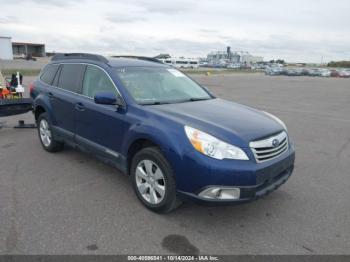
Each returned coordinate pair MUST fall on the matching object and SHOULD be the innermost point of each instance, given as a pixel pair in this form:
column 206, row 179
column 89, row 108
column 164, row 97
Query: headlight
column 213, row 147
column 277, row 120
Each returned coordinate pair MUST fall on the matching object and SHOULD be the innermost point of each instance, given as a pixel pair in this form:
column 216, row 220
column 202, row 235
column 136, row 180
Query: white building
column 250, row 59
column 6, row 48
column 230, row 57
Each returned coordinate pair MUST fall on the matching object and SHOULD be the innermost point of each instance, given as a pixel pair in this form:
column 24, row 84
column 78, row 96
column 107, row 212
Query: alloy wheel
column 45, row 132
column 150, row 181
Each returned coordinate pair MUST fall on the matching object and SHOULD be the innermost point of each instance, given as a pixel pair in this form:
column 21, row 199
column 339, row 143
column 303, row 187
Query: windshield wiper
column 153, row 103
column 193, row 99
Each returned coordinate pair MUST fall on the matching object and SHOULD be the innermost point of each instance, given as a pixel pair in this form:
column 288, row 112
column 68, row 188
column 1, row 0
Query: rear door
column 65, row 97
column 99, row 127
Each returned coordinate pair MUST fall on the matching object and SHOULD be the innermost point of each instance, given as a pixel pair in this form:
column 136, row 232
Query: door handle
column 51, row 96
column 79, row 107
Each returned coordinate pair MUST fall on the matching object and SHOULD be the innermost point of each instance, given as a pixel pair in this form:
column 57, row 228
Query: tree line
column 339, row 64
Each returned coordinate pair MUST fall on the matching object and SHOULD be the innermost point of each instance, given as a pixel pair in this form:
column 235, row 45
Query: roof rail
column 145, row 58
column 86, row 56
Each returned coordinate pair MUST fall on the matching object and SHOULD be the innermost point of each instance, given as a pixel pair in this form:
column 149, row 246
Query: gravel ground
column 70, row 203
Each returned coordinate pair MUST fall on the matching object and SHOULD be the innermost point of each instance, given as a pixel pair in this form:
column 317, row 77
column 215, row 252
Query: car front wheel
column 153, row 180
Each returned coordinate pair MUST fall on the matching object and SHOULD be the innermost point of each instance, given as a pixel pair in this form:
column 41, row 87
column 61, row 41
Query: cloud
column 8, row 19
column 165, row 7
column 308, row 30
column 55, row 3
column 118, row 18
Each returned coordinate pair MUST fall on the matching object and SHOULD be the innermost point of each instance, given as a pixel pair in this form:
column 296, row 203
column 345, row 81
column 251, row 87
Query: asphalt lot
column 70, row 203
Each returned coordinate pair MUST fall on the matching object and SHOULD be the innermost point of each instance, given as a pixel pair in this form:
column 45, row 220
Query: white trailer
column 181, row 62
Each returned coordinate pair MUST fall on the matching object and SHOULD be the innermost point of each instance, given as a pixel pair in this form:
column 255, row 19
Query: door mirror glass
column 105, row 98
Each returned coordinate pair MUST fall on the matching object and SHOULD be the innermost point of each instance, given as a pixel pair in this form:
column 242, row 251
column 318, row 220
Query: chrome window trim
column 83, row 80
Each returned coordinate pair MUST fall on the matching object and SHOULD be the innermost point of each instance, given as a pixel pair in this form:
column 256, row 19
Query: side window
column 49, row 73
column 96, row 80
column 70, row 77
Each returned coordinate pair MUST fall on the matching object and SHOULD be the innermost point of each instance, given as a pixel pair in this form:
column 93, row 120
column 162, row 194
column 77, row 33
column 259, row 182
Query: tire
column 46, row 137
column 156, row 190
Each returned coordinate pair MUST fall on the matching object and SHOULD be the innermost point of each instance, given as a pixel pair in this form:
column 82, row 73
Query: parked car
column 305, row 71
column 335, row 73
column 174, row 139
column 274, row 70
column 344, row 74
column 234, row 66
column 325, row 72
column 294, row 72
column 259, row 67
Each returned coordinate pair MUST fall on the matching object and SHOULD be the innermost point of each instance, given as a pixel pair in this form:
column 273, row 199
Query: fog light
column 231, row 193
column 224, row 193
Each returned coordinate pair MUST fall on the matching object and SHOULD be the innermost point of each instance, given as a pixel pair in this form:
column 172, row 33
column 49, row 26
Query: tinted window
column 70, row 77
column 49, row 74
column 96, row 80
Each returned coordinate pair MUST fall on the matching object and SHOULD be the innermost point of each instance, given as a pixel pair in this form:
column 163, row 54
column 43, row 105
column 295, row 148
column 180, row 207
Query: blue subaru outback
column 173, row 138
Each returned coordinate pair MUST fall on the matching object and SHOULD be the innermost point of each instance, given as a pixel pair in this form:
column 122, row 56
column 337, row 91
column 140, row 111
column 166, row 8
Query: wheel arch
column 137, row 145
column 150, row 136
column 42, row 105
column 38, row 111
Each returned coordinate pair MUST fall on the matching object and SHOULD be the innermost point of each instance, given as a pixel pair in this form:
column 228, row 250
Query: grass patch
column 24, row 72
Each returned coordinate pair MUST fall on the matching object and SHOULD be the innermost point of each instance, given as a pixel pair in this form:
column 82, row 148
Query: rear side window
column 49, row 73
column 71, row 77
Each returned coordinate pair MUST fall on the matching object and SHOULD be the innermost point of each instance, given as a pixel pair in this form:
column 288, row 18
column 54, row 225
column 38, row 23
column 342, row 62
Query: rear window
column 49, row 73
column 71, row 77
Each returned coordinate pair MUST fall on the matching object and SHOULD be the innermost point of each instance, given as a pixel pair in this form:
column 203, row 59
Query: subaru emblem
column 275, row 142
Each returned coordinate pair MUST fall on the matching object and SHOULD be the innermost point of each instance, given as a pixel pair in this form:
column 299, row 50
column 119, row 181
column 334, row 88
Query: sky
column 294, row 30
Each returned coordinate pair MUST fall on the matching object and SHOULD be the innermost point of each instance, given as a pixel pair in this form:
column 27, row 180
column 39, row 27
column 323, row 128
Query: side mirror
column 105, row 98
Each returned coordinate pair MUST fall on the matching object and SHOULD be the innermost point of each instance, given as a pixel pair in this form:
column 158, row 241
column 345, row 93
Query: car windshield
column 159, row 85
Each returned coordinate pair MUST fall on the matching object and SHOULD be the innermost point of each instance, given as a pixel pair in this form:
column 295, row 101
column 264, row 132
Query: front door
column 99, row 127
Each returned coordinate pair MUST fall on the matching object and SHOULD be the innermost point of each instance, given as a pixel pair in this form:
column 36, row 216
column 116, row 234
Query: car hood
column 229, row 121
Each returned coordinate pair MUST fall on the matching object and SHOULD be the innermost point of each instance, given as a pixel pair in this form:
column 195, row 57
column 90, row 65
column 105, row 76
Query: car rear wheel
column 45, row 135
column 153, row 180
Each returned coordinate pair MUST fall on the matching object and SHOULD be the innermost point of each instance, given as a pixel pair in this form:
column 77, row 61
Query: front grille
column 270, row 148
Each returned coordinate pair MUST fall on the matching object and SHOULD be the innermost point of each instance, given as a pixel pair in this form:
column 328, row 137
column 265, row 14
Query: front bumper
column 248, row 193
column 264, row 178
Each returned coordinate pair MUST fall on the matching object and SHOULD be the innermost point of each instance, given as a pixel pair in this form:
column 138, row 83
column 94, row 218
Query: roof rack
column 86, row 56
column 145, row 58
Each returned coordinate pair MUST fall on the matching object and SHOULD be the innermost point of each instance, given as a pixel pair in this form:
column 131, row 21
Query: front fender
column 166, row 139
